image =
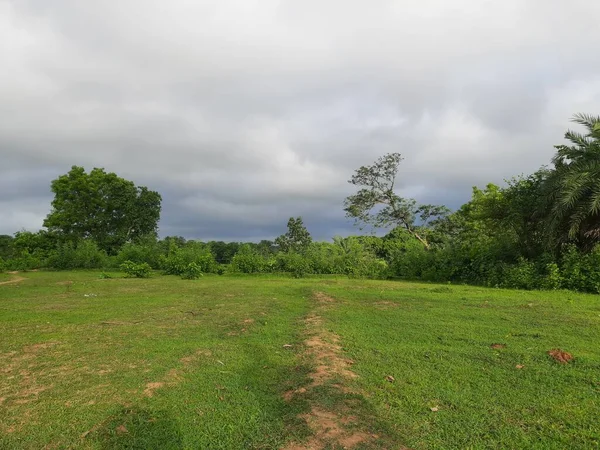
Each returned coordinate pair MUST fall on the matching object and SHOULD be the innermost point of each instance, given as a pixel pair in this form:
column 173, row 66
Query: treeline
column 474, row 250
column 540, row 231
column 351, row 256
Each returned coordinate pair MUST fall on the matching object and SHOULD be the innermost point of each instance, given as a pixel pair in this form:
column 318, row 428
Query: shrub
column 192, row 272
column 25, row 261
column 145, row 252
column 135, row 270
column 552, row 279
column 179, row 259
column 520, row 276
column 2, row 265
column 295, row 263
column 248, row 260
column 408, row 259
column 83, row 255
column 370, row 267
column 325, row 258
column 581, row 272
column 89, row 256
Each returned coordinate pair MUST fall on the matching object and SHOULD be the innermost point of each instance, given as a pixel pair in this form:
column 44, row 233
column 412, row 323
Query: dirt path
column 15, row 279
column 333, row 428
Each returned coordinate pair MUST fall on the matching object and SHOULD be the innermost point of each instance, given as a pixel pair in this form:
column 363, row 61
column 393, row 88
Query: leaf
column 390, row 378
column 519, row 366
column 435, row 408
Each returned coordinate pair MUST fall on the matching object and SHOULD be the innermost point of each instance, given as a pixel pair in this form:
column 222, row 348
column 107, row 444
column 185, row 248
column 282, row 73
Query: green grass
column 167, row 363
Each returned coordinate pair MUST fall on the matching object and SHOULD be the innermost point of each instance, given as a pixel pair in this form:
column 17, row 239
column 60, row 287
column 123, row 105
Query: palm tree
column 572, row 189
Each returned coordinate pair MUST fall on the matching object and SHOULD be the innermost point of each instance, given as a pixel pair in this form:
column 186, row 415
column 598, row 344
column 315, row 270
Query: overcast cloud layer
column 244, row 113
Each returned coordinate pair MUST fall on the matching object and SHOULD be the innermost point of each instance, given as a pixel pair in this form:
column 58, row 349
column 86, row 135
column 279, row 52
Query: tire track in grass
column 331, row 428
column 14, row 279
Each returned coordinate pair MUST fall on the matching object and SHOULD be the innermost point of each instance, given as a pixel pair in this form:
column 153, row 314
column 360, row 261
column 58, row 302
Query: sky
column 242, row 113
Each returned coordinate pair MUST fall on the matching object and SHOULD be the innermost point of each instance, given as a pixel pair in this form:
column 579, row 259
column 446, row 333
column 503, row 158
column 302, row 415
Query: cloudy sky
column 243, row 113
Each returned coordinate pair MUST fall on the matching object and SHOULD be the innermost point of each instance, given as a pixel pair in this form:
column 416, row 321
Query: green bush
column 135, row 270
column 83, row 255
column 177, row 261
column 144, row 252
column 370, row 267
column 249, row 260
column 552, row 279
column 192, row 272
column 520, row 276
column 581, row 272
column 295, row 263
column 2, row 264
column 408, row 259
column 325, row 258
column 25, row 261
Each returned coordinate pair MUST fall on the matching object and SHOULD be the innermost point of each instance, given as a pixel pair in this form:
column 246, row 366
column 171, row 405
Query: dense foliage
column 103, row 207
column 540, row 231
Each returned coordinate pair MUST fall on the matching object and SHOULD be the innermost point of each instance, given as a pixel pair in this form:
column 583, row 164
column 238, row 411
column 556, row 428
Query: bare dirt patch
column 187, row 360
column 175, row 375
column 560, row 356
column 25, row 380
column 13, row 280
column 321, row 297
column 330, row 428
column 35, row 348
column 151, row 387
column 30, row 394
column 498, row 346
column 326, row 352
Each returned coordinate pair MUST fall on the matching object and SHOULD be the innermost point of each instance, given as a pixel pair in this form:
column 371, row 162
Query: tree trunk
column 419, row 238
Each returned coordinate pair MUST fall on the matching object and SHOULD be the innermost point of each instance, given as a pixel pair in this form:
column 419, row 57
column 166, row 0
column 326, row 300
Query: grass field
column 273, row 362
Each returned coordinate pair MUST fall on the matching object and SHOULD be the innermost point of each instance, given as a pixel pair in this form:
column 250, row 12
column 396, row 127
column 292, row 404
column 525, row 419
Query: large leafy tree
column 572, row 189
column 296, row 239
column 377, row 203
column 102, row 206
column 505, row 215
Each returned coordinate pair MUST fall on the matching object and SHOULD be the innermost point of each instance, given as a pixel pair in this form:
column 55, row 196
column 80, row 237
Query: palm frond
column 586, row 120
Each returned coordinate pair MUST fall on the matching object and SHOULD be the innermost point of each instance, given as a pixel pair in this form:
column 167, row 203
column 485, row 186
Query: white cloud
column 245, row 112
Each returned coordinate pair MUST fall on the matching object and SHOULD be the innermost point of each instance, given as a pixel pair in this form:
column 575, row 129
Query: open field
column 273, row 362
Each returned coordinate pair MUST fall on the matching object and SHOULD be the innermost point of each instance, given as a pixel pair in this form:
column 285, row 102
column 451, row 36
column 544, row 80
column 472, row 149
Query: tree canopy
column 297, row 238
column 572, row 190
column 377, row 203
column 102, row 206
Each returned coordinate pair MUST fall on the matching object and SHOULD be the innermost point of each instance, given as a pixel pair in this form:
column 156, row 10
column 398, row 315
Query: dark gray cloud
column 243, row 113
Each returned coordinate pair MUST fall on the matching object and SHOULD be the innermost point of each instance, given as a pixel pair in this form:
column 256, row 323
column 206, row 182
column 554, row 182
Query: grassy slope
column 216, row 345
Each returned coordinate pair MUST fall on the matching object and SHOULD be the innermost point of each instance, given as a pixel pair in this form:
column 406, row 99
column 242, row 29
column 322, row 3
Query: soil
column 13, row 280
column 151, row 387
column 329, row 428
column 560, row 356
